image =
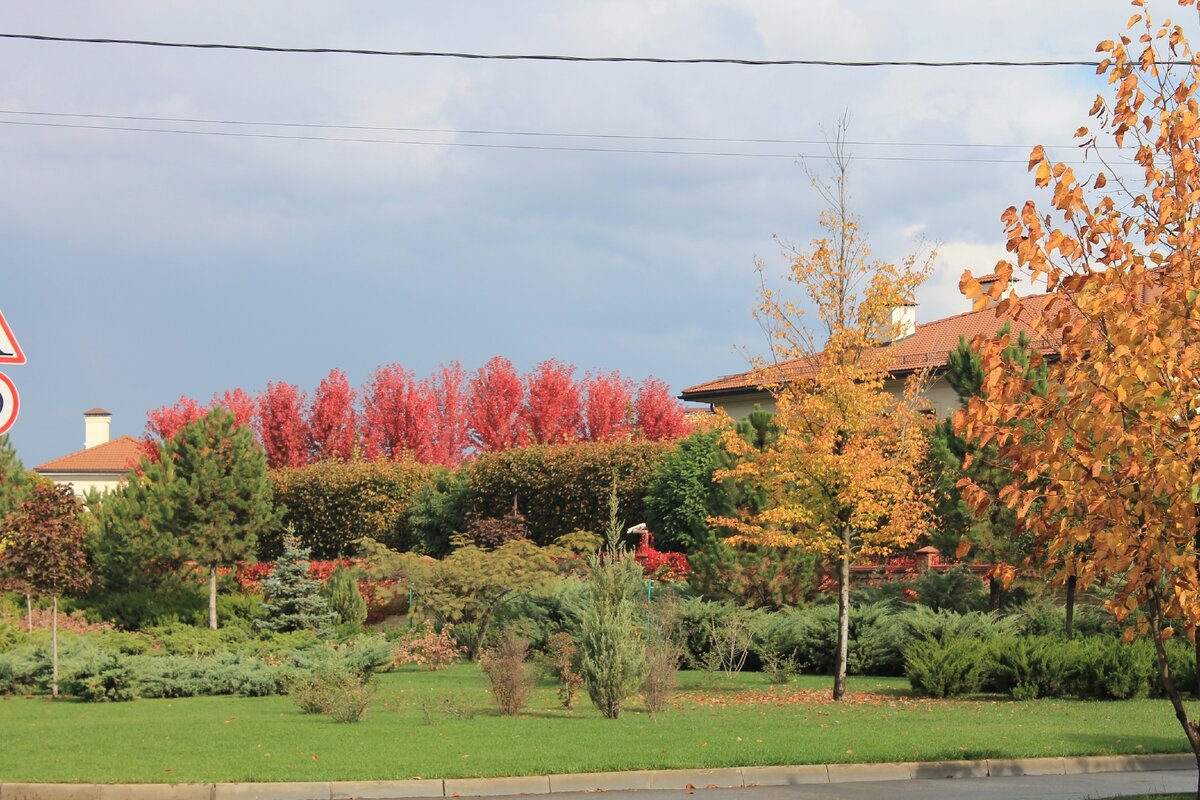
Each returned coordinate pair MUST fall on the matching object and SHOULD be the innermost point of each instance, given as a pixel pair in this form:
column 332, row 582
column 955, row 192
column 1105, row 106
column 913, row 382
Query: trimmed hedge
column 564, row 488
column 332, row 504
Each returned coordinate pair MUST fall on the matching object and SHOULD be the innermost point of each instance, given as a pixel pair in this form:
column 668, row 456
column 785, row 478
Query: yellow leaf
column 1042, row 177
column 1038, row 154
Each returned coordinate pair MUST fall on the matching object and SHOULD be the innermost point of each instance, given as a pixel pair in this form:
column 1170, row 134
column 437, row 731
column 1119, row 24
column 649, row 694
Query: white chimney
column 990, row 280
column 904, row 321
column 97, row 425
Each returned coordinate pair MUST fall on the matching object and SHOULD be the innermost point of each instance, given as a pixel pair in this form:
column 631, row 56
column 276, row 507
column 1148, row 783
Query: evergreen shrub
column 946, row 667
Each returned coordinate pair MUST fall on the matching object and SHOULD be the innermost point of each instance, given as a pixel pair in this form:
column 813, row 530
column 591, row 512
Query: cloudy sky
column 142, row 266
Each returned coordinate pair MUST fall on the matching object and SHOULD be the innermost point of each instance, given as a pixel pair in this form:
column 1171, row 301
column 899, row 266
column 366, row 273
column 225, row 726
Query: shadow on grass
column 1131, row 746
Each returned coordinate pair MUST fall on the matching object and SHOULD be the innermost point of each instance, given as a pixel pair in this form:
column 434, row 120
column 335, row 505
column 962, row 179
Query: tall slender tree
column 164, row 422
column 659, row 415
column 608, row 408
column 397, row 416
column 448, row 399
column 843, row 474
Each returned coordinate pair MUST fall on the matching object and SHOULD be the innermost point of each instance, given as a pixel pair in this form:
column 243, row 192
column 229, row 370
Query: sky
column 138, row 267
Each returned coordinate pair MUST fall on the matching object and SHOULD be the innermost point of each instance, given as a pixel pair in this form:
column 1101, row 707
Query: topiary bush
column 333, row 504
column 563, row 488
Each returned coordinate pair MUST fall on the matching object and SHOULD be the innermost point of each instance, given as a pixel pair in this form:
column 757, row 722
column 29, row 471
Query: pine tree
column 344, row 598
column 990, row 535
column 293, row 600
column 208, row 497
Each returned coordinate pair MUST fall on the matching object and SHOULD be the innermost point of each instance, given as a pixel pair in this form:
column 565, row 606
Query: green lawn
column 268, row 739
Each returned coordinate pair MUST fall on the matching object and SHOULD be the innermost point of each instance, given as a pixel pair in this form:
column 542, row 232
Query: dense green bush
column 958, row 589
column 681, row 493
column 1029, row 667
column 945, row 667
column 333, row 504
column 1108, row 669
column 564, row 488
column 438, row 511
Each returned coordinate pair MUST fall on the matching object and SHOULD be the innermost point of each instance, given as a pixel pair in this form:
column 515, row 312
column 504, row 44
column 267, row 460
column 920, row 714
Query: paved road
column 1049, row 787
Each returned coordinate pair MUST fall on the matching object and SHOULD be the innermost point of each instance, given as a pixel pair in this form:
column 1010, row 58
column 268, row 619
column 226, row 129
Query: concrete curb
column 732, row 777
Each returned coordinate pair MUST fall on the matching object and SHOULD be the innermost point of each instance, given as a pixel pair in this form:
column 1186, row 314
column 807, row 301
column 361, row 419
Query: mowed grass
column 268, row 739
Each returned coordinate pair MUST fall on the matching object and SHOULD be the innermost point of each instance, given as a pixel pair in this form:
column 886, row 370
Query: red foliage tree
column 163, row 423
column 553, row 405
column 239, row 403
column 281, row 426
column 609, row 406
column 332, row 420
column 447, row 390
column 495, row 397
column 659, row 415
column 397, row 415
column 43, row 552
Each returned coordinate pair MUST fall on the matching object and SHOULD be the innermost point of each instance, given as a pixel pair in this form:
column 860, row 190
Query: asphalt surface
column 1043, row 787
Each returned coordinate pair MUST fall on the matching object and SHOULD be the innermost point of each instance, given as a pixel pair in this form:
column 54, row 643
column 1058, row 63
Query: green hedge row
column 558, row 488
column 564, row 488
column 1029, row 667
column 332, row 504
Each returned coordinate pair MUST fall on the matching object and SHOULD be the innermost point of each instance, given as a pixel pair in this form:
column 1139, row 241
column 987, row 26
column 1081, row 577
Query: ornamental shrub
column 565, row 487
column 1108, row 669
column 1029, row 667
column 344, row 598
column 945, row 668
column 681, row 494
column 333, row 504
column 509, row 673
column 611, row 635
column 292, row 600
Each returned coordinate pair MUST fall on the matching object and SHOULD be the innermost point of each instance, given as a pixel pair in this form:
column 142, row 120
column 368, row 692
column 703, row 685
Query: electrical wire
column 751, row 62
column 501, row 146
column 542, row 134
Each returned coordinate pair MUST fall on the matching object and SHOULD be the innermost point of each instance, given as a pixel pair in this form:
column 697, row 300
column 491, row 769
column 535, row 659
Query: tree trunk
column 843, row 643
column 54, row 651
column 994, row 592
column 1071, row 583
column 212, row 597
column 1190, row 730
column 29, row 612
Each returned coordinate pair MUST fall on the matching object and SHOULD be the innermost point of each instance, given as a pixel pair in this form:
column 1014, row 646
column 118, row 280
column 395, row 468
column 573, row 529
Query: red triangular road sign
column 10, row 350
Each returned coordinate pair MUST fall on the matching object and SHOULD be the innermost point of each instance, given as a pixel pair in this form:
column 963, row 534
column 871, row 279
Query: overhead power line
column 504, row 146
column 749, row 62
column 539, row 134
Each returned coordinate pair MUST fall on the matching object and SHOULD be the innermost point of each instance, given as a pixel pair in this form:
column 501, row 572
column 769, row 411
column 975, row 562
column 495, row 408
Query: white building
column 101, row 464
column 924, row 346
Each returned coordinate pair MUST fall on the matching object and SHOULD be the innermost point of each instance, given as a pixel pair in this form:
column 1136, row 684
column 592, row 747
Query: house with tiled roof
column 925, row 346
column 102, row 464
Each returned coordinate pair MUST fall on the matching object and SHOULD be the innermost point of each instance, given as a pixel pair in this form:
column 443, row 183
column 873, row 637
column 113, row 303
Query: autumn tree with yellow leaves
column 843, row 476
column 1106, row 465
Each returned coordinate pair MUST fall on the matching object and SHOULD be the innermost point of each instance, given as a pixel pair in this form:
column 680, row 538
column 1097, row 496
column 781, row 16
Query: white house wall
column 941, row 397
column 82, row 483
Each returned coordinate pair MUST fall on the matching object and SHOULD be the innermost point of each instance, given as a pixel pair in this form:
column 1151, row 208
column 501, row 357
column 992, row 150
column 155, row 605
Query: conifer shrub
column 1029, row 667
column 611, row 634
column 945, row 668
column 344, row 598
column 292, row 600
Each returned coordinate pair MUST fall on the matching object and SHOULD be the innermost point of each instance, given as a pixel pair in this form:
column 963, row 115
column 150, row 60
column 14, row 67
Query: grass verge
column 438, row 725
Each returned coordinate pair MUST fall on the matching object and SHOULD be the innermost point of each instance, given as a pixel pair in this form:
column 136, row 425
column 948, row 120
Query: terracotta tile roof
column 97, row 412
column 118, row 456
column 928, row 347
